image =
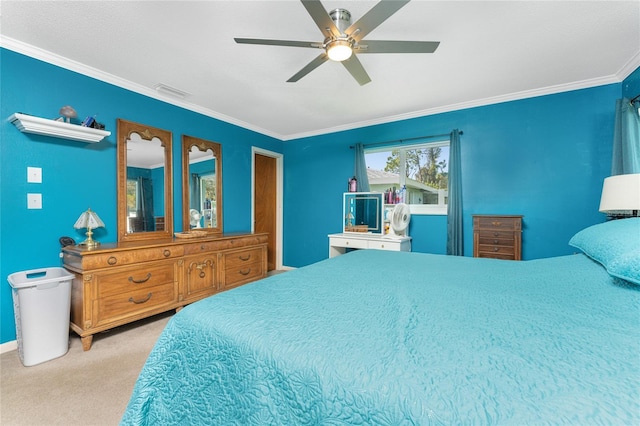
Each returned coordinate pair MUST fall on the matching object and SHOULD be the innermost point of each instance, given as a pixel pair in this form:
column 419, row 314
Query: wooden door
column 265, row 203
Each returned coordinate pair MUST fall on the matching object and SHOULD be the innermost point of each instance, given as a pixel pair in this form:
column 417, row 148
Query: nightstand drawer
column 496, row 222
column 503, row 239
column 496, row 249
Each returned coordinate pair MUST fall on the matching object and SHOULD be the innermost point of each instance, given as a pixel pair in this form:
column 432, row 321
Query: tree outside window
column 421, row 170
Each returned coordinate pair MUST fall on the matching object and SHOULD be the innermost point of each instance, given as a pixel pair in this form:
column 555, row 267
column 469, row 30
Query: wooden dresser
column 498, row 237
column 119, row 283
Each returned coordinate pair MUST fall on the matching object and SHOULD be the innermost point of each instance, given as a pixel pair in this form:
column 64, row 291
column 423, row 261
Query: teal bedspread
column 387, row 338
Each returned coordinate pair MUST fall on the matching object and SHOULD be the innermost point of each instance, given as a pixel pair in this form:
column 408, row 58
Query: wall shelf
column 57, row 129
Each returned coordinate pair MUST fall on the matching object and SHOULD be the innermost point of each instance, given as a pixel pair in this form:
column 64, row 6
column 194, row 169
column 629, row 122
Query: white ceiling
column 490, row 51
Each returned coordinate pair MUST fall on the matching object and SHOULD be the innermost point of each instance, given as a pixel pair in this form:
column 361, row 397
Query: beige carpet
column 79, row 388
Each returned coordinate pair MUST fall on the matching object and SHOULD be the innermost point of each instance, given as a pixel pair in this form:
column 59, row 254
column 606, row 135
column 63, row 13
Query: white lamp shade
column 620, row 193
column 88, row 219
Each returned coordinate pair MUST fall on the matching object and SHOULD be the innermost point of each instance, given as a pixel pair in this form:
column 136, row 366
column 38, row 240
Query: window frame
column 418, row 209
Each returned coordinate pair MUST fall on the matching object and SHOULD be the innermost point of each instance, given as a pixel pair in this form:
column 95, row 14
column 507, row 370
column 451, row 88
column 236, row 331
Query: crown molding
column 631, row 65
column 46, row 56
column 550, row 90
column 60, row 61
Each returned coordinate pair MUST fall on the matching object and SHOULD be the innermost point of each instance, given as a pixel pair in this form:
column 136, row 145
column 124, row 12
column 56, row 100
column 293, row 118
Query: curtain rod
column 405, row 140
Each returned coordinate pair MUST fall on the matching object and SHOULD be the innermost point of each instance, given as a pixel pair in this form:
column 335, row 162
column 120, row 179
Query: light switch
column 34, row 201
column 34, row 175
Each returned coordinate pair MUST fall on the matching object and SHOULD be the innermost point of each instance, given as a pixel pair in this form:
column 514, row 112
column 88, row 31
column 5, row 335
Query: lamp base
column 89, row 242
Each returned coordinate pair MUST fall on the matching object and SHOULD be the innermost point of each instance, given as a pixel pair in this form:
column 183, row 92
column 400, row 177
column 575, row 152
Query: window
column 208, row 191
column 417, row 175
column 132, row 197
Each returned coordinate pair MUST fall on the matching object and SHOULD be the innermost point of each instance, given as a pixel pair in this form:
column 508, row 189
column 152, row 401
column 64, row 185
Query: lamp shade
column 88, row 219
column 621, row 193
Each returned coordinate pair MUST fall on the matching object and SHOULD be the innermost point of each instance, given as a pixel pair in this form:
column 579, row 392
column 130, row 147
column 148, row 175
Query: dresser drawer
column 239, row 274
column 130, row 257
column 113, row 308
column 236, row 259
column 125, row 280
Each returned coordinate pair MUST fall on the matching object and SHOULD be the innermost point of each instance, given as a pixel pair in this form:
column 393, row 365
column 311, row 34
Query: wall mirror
column 145, row 201
column 201, row 185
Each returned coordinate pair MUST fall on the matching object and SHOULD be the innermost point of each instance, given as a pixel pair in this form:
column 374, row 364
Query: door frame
column 279, row 188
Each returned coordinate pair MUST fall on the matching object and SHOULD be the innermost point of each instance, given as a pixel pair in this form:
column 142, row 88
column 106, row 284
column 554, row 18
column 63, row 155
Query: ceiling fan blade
column 374, row 17
column 319, row 60
column 355, row 68
column 268, row 42
column 386, row 46
column 321, row 17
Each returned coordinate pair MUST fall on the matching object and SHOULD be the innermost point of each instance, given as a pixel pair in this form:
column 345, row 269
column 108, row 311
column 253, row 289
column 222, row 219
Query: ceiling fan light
column 339, row 50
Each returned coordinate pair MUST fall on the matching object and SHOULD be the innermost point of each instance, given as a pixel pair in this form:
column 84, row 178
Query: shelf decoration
column 58, row 129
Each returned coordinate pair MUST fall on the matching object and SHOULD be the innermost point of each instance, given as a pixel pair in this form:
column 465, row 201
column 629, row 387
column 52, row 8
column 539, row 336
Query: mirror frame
column 125, row 129
column 188, row 142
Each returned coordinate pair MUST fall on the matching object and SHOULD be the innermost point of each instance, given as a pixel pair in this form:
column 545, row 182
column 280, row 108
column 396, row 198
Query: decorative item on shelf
column 91, row 122
column 68, row 113
column 621, row 196
column 90, row 220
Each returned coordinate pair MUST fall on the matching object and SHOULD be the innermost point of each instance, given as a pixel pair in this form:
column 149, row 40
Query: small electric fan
column 400, row 218
column 194, row 218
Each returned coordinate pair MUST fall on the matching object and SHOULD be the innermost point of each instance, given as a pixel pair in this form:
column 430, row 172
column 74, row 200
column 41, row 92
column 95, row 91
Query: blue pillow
column 615, row 244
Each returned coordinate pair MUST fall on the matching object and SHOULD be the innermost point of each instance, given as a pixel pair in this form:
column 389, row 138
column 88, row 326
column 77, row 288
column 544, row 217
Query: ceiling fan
column 344, row 40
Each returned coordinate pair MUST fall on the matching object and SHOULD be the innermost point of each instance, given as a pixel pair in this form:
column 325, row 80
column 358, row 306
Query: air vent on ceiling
column 171, row 91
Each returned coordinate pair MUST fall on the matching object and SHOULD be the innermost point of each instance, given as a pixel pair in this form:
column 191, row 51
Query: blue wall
column 544, row 158
column 77, row 175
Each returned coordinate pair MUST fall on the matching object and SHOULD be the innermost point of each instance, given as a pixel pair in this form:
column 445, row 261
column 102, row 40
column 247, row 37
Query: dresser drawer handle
column 245, row 271
column 137, row 302
column 495, row 234
column 496, row 223
column 244, row 258
column 112, row 260
column 166, row 253
column 495, row 241
column 144, row 280
column 496, row 248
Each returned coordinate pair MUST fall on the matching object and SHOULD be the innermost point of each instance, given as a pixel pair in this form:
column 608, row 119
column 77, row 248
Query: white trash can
column 41, row 304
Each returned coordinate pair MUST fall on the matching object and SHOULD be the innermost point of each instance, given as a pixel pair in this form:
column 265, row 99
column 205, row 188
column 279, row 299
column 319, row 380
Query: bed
column 394, row 338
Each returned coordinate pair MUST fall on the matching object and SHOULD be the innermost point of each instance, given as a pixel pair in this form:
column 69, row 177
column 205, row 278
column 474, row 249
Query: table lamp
column 89, row 220
column 621, row 195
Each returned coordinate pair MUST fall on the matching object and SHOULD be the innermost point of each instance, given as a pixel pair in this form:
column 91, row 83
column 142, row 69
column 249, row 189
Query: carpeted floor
column 79, row 388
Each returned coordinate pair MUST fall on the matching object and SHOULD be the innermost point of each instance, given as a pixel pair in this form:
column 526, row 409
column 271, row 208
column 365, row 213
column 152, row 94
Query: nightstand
column 498, row 237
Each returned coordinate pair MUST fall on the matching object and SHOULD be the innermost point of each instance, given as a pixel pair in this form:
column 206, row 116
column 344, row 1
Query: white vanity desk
column 339, row 243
